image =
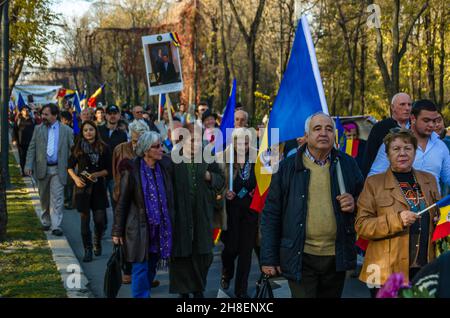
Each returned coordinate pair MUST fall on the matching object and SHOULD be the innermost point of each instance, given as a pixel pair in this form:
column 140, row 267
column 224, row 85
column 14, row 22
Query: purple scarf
column 158, row 218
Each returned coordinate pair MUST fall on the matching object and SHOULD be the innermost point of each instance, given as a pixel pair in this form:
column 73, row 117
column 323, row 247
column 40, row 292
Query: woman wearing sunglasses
column 142, row 220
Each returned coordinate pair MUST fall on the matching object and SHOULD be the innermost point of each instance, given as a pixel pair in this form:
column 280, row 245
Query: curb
column 75, row 281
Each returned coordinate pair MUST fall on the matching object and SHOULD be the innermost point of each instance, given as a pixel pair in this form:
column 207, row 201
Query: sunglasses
column 158, row 146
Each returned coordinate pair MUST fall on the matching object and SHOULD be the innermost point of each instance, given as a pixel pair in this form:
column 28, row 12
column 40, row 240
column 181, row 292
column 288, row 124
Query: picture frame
column 162, row 64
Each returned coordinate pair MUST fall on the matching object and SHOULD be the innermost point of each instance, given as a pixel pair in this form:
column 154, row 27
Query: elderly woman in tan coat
column 388, row 206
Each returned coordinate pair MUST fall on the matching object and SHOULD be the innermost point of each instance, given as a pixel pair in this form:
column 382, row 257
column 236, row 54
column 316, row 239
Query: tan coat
column 121, row 152
column 378, row 220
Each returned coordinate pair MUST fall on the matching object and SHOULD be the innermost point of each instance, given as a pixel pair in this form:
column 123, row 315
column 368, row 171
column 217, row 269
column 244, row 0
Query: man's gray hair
column 138, row 126
column 146, row 141
column 308, row 121
column 242, row 111
column 397, row 96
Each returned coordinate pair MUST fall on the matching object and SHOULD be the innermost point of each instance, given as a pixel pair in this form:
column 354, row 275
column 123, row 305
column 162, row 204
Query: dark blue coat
column 284, row 216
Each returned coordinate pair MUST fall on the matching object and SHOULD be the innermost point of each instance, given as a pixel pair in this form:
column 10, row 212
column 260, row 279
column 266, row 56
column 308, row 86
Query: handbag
column 113, row 274
column 263, row 288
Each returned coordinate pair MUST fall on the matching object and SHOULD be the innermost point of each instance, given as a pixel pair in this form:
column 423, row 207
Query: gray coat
column 37, row 152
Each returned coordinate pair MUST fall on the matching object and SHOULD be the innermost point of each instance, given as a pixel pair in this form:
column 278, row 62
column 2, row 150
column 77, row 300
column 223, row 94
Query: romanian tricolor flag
column 164, row 102
column 216, row 235
column 175, row 38
column 443, row 226
column 92, row 101
column 351, row 147
column 263, row 176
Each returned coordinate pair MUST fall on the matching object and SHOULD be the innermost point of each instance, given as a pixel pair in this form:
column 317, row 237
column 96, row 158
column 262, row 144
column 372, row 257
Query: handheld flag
column 301, row 92
column 443, row 226
column 93, row 99
column 351, row 147
column 76, row 127
column 20, row 102
column 340, row 135
column 228, row 116
column 300, row 95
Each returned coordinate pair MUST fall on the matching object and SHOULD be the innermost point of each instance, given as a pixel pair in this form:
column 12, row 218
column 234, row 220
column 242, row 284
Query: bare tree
column 250, row 41
column 391, row 79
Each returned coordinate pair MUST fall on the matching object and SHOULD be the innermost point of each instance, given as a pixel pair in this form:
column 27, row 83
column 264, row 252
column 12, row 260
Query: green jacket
column 192, row 225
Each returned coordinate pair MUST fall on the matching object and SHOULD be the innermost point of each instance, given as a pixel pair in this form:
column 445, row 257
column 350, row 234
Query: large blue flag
column 301, row 92
column 228, row 116
column 76, row 104
column 20, row 102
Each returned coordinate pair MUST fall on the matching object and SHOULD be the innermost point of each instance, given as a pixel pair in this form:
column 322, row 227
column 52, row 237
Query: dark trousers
column 99, row 225
column 68, row 193
column 22, row 156
column 319, row 278
column 239, row 241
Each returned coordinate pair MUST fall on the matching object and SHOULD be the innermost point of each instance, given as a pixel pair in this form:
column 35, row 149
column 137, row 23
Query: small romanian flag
column 351, row 147
column 443, row 226
column 216, row 235
column 92, row 102
column 175, row 38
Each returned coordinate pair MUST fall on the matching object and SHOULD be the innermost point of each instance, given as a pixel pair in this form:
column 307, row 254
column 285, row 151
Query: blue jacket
column 283, row 223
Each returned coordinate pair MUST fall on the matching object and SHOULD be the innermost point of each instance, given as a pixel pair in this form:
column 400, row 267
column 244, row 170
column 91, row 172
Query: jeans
column 142, row 276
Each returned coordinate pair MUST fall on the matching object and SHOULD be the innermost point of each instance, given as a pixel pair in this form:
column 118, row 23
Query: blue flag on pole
column 301, row 92
column 340, row 136
column 228, row 116
column 20, row 102
column 76, row 104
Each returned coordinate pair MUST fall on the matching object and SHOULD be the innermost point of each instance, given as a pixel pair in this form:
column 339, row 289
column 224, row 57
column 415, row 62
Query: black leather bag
column 113, row 274
column 263, row 288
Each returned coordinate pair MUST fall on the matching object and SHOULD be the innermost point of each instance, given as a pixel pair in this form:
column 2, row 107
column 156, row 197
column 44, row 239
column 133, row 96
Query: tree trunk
column 392, row 81
column 442, row 26
column 429, row 44
column 250, row 41
column 362, row 71
column 226, row 68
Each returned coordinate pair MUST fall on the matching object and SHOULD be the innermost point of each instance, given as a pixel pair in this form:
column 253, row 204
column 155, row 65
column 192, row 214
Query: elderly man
column 240, row 119
column 400, row 112
column 432, row 154
column 307, row 224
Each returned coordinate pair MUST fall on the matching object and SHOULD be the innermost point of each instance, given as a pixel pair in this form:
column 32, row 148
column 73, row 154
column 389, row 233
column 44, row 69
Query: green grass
column 27, row 269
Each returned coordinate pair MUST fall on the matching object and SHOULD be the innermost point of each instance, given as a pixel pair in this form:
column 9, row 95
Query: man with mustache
column 47, row 159
column 307, row 226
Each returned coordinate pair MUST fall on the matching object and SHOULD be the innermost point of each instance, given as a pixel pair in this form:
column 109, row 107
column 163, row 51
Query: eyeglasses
column 158, row 146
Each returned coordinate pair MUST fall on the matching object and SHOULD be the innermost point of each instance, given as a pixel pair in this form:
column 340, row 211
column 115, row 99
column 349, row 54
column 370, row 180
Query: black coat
column 23, row 131
column 376, row 136
column 284, row 216
column 93, row 196
column 169, row 75
column 130, row 218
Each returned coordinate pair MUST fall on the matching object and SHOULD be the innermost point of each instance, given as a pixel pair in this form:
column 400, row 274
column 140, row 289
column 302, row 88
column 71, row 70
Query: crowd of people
column 165, row 213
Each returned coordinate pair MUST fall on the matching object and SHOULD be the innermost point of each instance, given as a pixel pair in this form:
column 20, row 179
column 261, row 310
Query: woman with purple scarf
column 142, row 220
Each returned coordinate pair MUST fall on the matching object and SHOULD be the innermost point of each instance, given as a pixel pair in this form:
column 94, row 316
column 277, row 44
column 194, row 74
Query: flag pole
column 425, row 210
column 159, row 108
column 169, row 111
column 231, row 165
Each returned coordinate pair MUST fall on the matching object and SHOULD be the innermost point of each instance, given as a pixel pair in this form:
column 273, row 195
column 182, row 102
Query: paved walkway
column 96, row 269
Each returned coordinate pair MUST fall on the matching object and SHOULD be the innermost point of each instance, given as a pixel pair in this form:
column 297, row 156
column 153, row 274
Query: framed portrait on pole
column 163, row 63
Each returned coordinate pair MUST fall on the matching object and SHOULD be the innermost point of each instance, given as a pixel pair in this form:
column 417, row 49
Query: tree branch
column 239, row 21
column 408, row 32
